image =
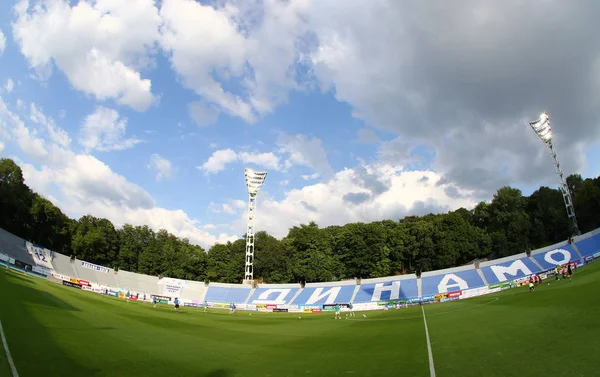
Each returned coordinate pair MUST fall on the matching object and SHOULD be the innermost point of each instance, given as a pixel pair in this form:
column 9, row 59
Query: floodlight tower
column 544, row 131
column 254, row 181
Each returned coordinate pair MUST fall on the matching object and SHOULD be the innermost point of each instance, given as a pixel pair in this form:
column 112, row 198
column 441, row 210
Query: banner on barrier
column 41, row 270
column 280, row 310
column 71, row 284
column 41, row 256
column 84, row 282
column 4, row 257
column 95, row 267
column 74, row 281
column 454, row 295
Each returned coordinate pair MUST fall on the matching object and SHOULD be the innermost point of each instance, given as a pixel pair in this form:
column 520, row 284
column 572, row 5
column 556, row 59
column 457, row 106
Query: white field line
column 11, row 364
column 431, row 366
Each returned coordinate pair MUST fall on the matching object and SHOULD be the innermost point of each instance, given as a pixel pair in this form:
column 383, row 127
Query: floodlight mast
column 254, row 181
column 544, row 131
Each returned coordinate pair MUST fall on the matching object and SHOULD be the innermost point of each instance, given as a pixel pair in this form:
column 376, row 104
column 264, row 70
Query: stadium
column 404, row 211
column 92, row 320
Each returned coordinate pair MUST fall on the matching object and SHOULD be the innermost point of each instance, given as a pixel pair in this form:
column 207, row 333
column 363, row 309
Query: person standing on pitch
column 205, row 306
column 337, row 312
column 176, row 302
column 154, row 300
column 569, row 272
column 351, row 307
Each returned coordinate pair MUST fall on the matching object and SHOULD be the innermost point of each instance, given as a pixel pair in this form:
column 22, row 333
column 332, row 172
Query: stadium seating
column 138, row 282
column 589, row 243
column 106, row 277
column 194, row 290
column 369, row 291
column 450, row 280
column 326, row 293
column 509, row 268
column 556, row 255
column 280, row 294
column 227, row 293
column 62, row 265
column 390, row 288
column 14, row 247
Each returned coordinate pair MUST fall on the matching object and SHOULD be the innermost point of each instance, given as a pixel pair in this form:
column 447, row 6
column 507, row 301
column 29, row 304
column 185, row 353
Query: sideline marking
column 431, row 366
column 431, row 315
column 11, row 364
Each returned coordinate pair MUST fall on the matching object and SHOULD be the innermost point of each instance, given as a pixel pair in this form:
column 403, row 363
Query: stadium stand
column 194, row 290
column 104, row 276
column 450, row 280
column 280, row 294
column 14, row 247
column 512, row 267
column 326, row 293
column 62, row 265
column 557, row 255
column 226, row 293
column 388, row 288
column 589, row 243
column 138, row 282
column 367, row 291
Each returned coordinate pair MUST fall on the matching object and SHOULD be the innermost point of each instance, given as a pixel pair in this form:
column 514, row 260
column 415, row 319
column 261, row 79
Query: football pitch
column 53, row 330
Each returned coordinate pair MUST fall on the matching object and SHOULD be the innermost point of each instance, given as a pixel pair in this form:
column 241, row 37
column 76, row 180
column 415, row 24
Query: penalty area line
column 431, row 365
column 11, row 364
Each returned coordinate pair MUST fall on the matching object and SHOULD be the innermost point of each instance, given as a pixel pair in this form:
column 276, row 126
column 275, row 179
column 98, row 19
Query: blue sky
column 148, row 112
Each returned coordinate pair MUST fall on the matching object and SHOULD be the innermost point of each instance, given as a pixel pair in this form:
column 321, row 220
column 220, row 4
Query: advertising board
column 280, row 310
column 70, row 284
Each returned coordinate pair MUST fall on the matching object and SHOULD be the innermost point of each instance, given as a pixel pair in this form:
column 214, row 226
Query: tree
column 15, row 199
column 95, row 240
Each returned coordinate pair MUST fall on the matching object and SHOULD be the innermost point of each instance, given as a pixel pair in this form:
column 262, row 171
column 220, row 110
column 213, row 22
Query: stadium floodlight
column 254, row 181
column 544, row 131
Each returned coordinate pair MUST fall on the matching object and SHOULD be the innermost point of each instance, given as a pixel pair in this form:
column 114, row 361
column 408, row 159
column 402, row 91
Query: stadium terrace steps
column 296, row 295
column 250, row 295
column 14, row 247
column 589, row 243
column 325, row 293
column 227, row 293
column 62, row 265
column 354, row 293
column 482, row 276
column 531, row 258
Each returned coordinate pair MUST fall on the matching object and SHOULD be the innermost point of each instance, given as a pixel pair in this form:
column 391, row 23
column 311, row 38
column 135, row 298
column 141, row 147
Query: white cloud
column 307, row 152
column 81, row 184
column 56, row 134
column 254, row 42
column 104, row 130
column 101, row 46
column 309, row 177
column 1, row 146
column 202, row 113
column 269, row 160
column 162, row 166
column 9, row 86
column 219, row 159
column 347, row 197
column 2, row 42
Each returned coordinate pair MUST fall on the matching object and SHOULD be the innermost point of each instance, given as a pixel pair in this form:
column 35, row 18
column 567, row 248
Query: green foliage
column 511, row 223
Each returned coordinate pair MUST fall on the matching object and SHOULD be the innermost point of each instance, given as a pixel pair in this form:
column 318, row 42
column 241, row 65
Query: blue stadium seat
column 227, row 294
column 369, row 292
column 430, row 285
column 556, row 257
column 279, row 296
column 320, row 295
column 589, row 246
column 505, row 271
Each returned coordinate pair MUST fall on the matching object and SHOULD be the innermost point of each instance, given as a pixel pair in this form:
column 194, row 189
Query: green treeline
column 510, row 224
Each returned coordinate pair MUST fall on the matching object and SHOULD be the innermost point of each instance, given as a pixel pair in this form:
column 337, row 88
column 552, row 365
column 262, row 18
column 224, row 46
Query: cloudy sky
column 147, row 112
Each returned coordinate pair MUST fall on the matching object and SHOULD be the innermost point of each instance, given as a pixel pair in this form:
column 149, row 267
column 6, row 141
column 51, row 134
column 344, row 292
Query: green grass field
column 58, row 331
